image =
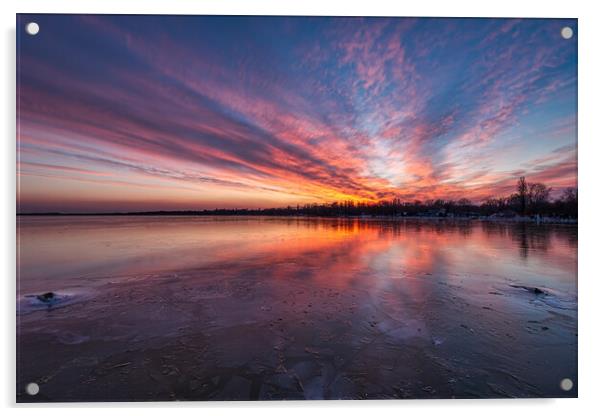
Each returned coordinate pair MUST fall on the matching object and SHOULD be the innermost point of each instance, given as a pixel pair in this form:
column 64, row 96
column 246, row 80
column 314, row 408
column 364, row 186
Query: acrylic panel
column 273, row 207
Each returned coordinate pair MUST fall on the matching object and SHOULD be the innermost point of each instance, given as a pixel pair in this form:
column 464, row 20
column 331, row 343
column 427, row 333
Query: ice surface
column 296, row 309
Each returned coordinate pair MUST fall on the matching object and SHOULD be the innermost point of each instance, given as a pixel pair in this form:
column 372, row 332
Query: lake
column 244, row 308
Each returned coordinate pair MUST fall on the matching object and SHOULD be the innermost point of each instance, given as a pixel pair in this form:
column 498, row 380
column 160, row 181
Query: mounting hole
column 32, row 28
column 566, row 384
column 32, row 389
column 566, row 33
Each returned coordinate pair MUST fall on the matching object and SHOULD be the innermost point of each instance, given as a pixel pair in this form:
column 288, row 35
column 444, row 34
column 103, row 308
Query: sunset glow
column 119, row 113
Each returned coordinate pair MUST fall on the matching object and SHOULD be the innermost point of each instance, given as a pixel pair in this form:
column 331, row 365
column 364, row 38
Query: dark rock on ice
column 532, row 289
column 48, row 297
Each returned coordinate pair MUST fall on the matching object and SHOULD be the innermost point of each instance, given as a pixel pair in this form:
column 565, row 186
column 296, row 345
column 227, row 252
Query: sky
column 127, row 113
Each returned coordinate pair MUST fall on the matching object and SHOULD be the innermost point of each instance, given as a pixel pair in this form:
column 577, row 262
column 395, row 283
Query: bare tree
column 522, row 189
column 538, row 193
column 569, row 195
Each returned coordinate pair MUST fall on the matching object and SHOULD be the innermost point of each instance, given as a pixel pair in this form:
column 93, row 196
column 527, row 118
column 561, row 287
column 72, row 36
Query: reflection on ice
column 273, row 308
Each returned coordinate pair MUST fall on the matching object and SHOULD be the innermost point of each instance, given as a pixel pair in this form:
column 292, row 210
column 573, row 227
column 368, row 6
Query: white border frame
column 590, row 204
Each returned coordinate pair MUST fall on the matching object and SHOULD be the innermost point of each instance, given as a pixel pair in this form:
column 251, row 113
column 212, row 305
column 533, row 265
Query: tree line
column 530, row 199
column 534, row 199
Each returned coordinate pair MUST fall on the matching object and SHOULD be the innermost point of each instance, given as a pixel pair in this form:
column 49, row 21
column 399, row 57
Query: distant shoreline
column 516, row 219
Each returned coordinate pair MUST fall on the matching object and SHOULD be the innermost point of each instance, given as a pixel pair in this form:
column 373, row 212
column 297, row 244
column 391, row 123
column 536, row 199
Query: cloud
column 320, row 109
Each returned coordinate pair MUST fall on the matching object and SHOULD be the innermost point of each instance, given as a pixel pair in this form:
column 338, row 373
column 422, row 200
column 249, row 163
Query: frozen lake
column 241, row 308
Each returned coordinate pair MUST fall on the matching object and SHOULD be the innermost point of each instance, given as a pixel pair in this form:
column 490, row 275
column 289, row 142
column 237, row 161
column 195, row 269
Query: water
column 239, row 308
